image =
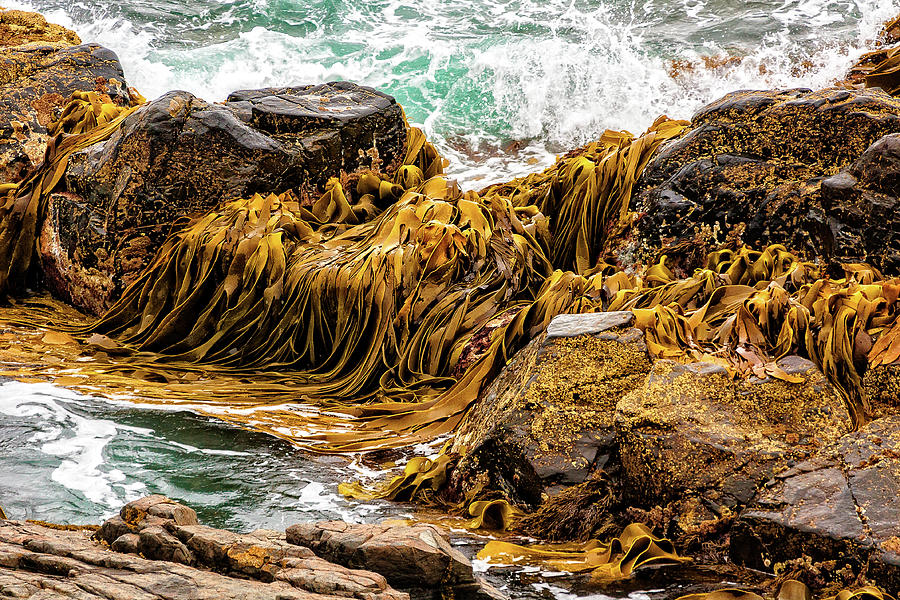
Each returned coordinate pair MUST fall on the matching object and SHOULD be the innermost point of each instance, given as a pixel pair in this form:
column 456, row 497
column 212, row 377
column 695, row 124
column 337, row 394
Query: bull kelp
column 380, row 304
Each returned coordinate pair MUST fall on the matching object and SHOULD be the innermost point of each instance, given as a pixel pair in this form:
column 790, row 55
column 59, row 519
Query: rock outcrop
column 180, row 156
column 840, row 506
column 547, row 419
column 155, row 549
column 19, row 27
column 812, row 170
column 417, row 559
column 36, row 82
column 694, row 429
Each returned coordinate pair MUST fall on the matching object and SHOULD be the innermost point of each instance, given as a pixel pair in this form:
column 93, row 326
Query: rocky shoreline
column 785, row 464
column 156, row 549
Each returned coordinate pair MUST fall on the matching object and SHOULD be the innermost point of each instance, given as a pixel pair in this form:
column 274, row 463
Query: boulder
column 42, row 562
column 19, row 27
column 36, row 82
column 418, row 559
column 180, row 156
column 161, row 529
column 693, row 431
column 812, row 170
column 547, row 419
column 840, row 505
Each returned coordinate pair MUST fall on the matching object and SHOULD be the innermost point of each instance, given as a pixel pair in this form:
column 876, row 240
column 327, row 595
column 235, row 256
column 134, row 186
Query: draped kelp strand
column 89, row 118
column 634, row 548
column 791, row 589
column 367, row 303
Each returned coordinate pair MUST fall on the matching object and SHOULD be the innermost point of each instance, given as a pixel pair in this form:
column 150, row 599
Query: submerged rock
column 693, row 430
column 547, row 419
column 807, row 169
column 180, row 156
column 841, row 506
column 36, row 82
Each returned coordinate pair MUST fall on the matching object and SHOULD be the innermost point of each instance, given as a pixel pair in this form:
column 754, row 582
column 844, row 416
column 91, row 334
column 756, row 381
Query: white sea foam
column 481, row 73
column 75, row 440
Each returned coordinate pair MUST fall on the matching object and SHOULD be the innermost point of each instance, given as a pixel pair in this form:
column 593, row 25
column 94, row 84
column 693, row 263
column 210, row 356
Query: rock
column 694, row 431
column 36, row 82
column 418, row 559
column 881, row 387
column 19, row 27
column 179, row 156
column 841, row 505
column 38, row 562
column 763, row 167
column 161, row 529
column 547, row 419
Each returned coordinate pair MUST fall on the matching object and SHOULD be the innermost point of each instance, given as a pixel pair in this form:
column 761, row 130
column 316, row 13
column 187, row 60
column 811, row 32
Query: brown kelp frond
column 87, row 119
column 791, row 589
column 619, row 558
column 422, row 478
column 422, row 481
column 380, row 308
column 586, row 194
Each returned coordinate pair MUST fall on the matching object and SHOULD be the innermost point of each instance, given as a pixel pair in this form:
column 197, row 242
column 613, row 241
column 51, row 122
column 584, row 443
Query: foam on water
column 75, row 442
column 480, row 75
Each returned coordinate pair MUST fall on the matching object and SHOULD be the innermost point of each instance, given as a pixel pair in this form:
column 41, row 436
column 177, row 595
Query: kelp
column 791, row 589
column 587, row 193
column 881, row 67
column 363, row 303
column 87, row 119
column 421, row 479
column 634, row 548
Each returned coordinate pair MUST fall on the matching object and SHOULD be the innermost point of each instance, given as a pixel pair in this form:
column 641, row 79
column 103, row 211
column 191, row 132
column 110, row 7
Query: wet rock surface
column 155, row 549
column 547, row 419
column 179, row 156
column 840, row 505
column 694, row 430
column 36, row 82
column 812, row 170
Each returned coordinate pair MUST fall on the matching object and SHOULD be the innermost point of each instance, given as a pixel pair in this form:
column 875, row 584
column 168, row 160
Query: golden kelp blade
column 790, row 590
column 497, row 515
column 634, row 548
column 89, row 118
column 421, row 478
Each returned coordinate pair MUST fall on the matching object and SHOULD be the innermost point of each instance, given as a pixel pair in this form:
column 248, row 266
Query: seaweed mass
column 388, row 301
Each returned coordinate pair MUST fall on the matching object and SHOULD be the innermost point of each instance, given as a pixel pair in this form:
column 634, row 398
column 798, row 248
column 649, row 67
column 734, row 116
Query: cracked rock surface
column 842, row 504
column 155, row 549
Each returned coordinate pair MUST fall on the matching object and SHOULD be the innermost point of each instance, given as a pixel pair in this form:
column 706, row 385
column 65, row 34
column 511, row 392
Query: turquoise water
column 500, row 85
column 480, row 75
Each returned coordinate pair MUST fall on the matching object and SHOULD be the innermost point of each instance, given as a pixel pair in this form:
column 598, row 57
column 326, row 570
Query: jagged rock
column 547, row 419
column 841, row 505
column 418, row 559
column 19, row 27
column 692, row 430
column 36, row 82
column 807, row 169
column 180, row 155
